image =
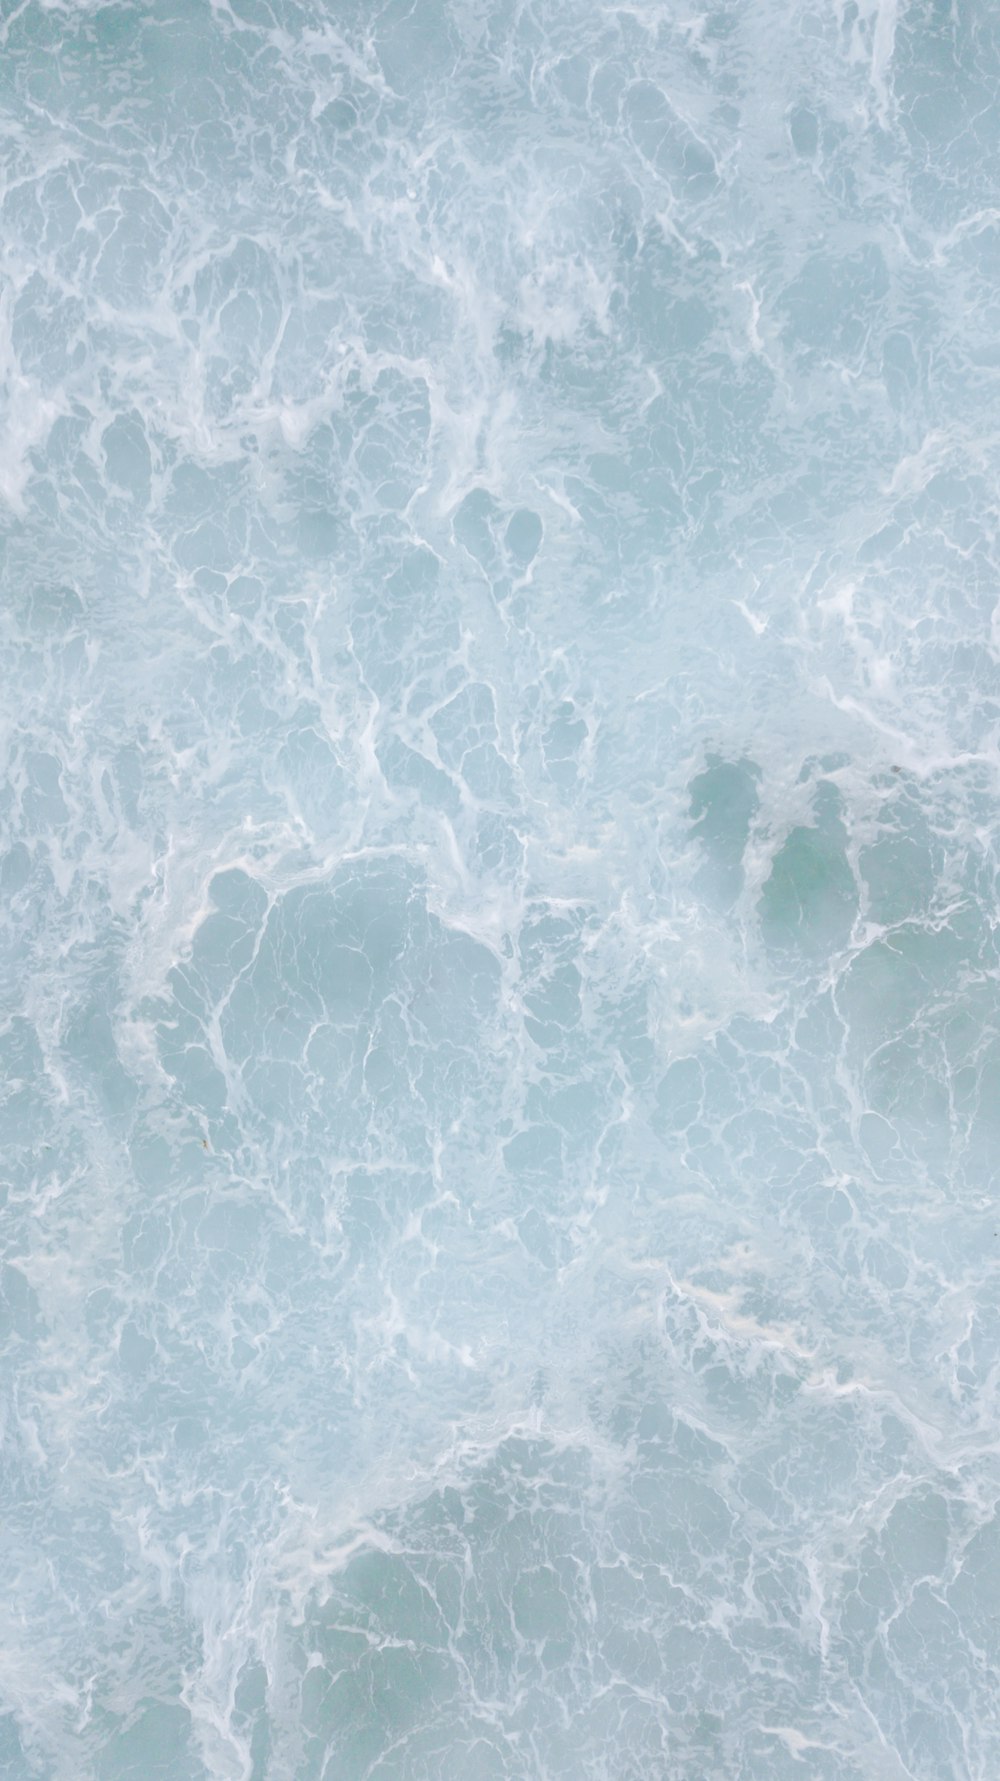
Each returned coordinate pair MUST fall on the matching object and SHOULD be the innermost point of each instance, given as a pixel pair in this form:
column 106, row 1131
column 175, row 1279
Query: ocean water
column 499, row 968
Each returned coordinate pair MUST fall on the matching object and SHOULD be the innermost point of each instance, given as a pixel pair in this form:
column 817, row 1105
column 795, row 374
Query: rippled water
column 499, row 958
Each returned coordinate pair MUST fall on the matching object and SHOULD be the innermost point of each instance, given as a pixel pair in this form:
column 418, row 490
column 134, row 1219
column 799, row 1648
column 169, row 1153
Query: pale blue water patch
column 500, row 1033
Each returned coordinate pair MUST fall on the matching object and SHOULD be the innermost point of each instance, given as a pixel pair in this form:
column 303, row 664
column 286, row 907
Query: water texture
column 499, row 967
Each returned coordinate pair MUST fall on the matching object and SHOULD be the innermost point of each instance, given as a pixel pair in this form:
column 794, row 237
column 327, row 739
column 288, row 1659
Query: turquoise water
column 499, row 968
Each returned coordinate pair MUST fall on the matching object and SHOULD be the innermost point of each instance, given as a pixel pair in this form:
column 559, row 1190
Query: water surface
column 499, row 971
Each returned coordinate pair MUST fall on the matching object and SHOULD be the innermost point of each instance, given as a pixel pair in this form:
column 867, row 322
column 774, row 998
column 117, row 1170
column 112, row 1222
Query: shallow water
column 500, row 1029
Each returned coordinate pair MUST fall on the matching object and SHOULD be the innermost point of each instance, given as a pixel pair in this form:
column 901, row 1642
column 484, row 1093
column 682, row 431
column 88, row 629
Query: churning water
column 500, row 980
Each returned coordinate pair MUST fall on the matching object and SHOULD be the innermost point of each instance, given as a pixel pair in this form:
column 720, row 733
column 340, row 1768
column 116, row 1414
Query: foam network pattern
column 499, row 1017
